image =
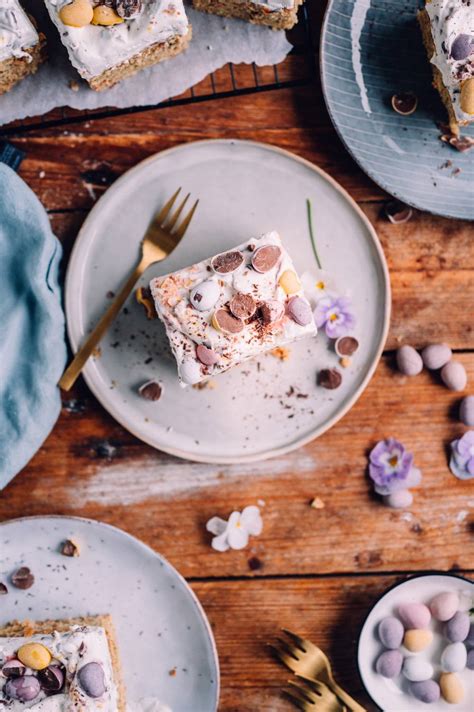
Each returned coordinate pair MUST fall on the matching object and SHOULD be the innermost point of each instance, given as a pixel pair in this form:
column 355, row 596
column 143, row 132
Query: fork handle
column 352, row 705
column 77, row 364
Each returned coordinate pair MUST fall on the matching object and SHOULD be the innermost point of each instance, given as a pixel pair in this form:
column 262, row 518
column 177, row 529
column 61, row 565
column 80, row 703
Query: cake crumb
column 281, row 352
column 97, row 352
column 317, row 503
column 70, row 548
column 73, row 85
column 205, row 385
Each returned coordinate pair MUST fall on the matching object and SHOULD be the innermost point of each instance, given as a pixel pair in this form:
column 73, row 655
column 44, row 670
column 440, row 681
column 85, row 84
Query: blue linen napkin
column 32, row 339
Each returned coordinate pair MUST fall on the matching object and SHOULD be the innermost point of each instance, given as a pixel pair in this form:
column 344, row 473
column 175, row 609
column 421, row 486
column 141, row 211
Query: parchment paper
column 215, row 42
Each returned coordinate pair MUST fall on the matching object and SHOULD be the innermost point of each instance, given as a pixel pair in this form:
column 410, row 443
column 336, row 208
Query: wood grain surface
column 315, row 571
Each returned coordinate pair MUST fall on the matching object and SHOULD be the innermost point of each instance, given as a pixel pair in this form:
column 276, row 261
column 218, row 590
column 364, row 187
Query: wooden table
column 315, row 571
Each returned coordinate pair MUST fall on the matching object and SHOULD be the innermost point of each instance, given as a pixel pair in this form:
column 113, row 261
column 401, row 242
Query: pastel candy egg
column 470, row 660
column 414, row 615
column 92, row 680
column 34, row 656
column 470, row 637
column 266, row 258
column 466, row 411
column 467, row 96
column 289, row 282
column 24, row 688
column 104, row 15
column 435, row 356
column 409, row 361
column 206, row 356
column 391, row 632
column 204, row 295
column 454, row 376
column 399, row 499
column 190, row 372
column 389, row 663
column 452, row 688
column 462, row 47
column 417, row 640
column 444, row 605
column 427, row 691
column 299, row 310
column 454, row 658
column 457, row 628
column 77, row 14
column 227, row 323
column 417, row 670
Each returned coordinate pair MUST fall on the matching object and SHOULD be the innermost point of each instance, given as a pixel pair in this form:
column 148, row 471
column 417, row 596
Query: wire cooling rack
column 298, row 69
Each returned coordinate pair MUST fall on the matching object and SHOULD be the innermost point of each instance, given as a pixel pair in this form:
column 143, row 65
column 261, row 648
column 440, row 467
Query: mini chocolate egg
column 401, row 499
column 391, row 632
column 346, row 346
column 435, row 356
column 226, row 322
column 227, row 262
column 389, row 663
column 444, row 605
column 409, row 361
column 454, row 376
column 417, row 640
column 266, row 258
column 205, row 295
column 454, row 657
column 427, row 691
column 417, row 670
column 52, row 678
column 452, row 688
column 414, row 615
column 271, row 311
column 466, row 411
column 24, row 689
column 299, row 310
column 106, row 16
column 34, row 656
column 243, row 306
column 206, row 356
column 457, row 628
column 92, row 680
column 13, row 668
column 77, row 13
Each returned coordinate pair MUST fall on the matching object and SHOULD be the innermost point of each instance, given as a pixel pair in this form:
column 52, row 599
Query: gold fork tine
column 305, row 692
column 299, row 642
column 297, row 701
column 179, row 232
column 289, row 649
column 166, row 208
column 173, row 219
column 286, row 659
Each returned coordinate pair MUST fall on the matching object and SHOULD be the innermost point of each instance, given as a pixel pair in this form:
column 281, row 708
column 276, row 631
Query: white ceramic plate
column 245, row 189
column 392, row 695
column 160, row 623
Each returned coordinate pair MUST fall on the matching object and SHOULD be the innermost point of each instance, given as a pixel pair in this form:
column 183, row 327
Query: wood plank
column 91, row 467
column 246, row 615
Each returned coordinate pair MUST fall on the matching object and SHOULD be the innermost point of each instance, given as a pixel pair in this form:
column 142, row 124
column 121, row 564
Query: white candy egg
column 205, row 295
column 417, row 670
column 454, row 657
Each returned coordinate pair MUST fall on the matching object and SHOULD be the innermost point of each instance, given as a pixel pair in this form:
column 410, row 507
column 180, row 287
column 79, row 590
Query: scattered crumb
column 345, row 362
column 42, row 174
column 210, row 385
column 172, row 673
column 143, row 297
column 70, row 548
column 317, row 503
column 73, row 85
column 261, row 502
column 254, row 563
column 97, row 352
column 281, row 352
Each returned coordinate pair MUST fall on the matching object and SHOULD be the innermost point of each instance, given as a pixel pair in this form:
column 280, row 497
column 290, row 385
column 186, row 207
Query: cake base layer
column 14, row 69
column 157, row 52
column 17, row 629
column 283, row 19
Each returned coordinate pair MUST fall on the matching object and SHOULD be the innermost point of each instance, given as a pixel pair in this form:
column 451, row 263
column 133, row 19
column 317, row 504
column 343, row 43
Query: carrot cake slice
column 109, row 40
column 232, row 307
column 448, row 35
column 278, row 14
column 60, row 666
column 22, row 49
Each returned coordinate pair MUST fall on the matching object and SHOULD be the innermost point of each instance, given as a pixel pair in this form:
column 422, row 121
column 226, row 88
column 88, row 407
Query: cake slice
column 448, row 35
column 22, row 49
column 60, row 665
column 278, row 14
column 232, row 307
column 109, row 40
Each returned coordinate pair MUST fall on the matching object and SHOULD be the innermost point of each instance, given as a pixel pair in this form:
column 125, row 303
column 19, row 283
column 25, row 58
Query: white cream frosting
column 187, row 327
column 275, row 5
column 74, row 649
column 450, row 18
column 94, row 49
column 17, row 33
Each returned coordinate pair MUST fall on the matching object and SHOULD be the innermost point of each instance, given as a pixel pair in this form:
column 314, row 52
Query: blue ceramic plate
column 370, row 50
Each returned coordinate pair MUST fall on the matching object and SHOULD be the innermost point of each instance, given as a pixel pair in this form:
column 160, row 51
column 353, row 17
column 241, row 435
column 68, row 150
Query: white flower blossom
column 234, row 534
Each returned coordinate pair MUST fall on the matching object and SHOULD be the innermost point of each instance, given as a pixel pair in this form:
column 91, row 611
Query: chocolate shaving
column 3, row 589
column 69, row 548
column 151, row 390
column 329, row 378
column 23, row 578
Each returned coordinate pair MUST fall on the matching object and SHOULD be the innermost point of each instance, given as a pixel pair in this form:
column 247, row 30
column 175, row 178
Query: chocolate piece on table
column 23, row 578
column 329, row 378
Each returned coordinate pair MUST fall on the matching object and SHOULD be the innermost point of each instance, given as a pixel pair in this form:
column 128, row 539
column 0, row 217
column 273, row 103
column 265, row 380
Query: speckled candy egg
column 205, row 295
column 414, row 615
column 435, row 356
column 417, row 640
column 454, row 376
column 452, row 688
column 457, row 628
column 34, row 656
column 389, row 663
column 444, row 605
column 391, row 632
column 454, row 657
column 417, row 670
column 24, row 688
column 466, row 411
column 409, row 361
column 427, row 691
column 92, row 680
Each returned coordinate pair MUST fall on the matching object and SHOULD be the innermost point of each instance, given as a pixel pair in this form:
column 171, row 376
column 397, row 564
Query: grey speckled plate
column 160, row 623
column 370, row 50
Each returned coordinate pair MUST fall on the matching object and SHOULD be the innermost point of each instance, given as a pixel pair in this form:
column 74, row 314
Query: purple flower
column 390, row 465
column 333, row 313
column 462, row 456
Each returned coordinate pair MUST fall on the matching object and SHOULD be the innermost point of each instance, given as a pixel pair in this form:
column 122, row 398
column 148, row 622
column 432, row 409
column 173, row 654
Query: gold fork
column 160, row 239
column 312, row 695
column 305, row 659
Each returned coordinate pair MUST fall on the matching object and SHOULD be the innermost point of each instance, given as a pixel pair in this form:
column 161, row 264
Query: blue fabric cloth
column 32, row 338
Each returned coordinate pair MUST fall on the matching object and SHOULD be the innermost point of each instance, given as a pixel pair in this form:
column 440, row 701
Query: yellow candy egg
column 417, row 640
column 289, row 282
column 452, row 688
column 34, row 656
column 104, row 15
column 78, row 13
column 467, row 96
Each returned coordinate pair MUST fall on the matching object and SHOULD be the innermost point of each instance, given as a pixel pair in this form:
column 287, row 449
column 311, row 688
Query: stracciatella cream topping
column 93, row 48
column 17, row 34
column 452, row 27
column 275, row 5
column 231, row 307
column 78, row 675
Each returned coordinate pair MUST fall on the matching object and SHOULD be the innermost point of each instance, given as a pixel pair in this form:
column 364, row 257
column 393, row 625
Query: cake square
column 61, row 664
column 278, row 14
column 232, row 307
column 22, row 49
column 448, row 35
column 110, row 40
